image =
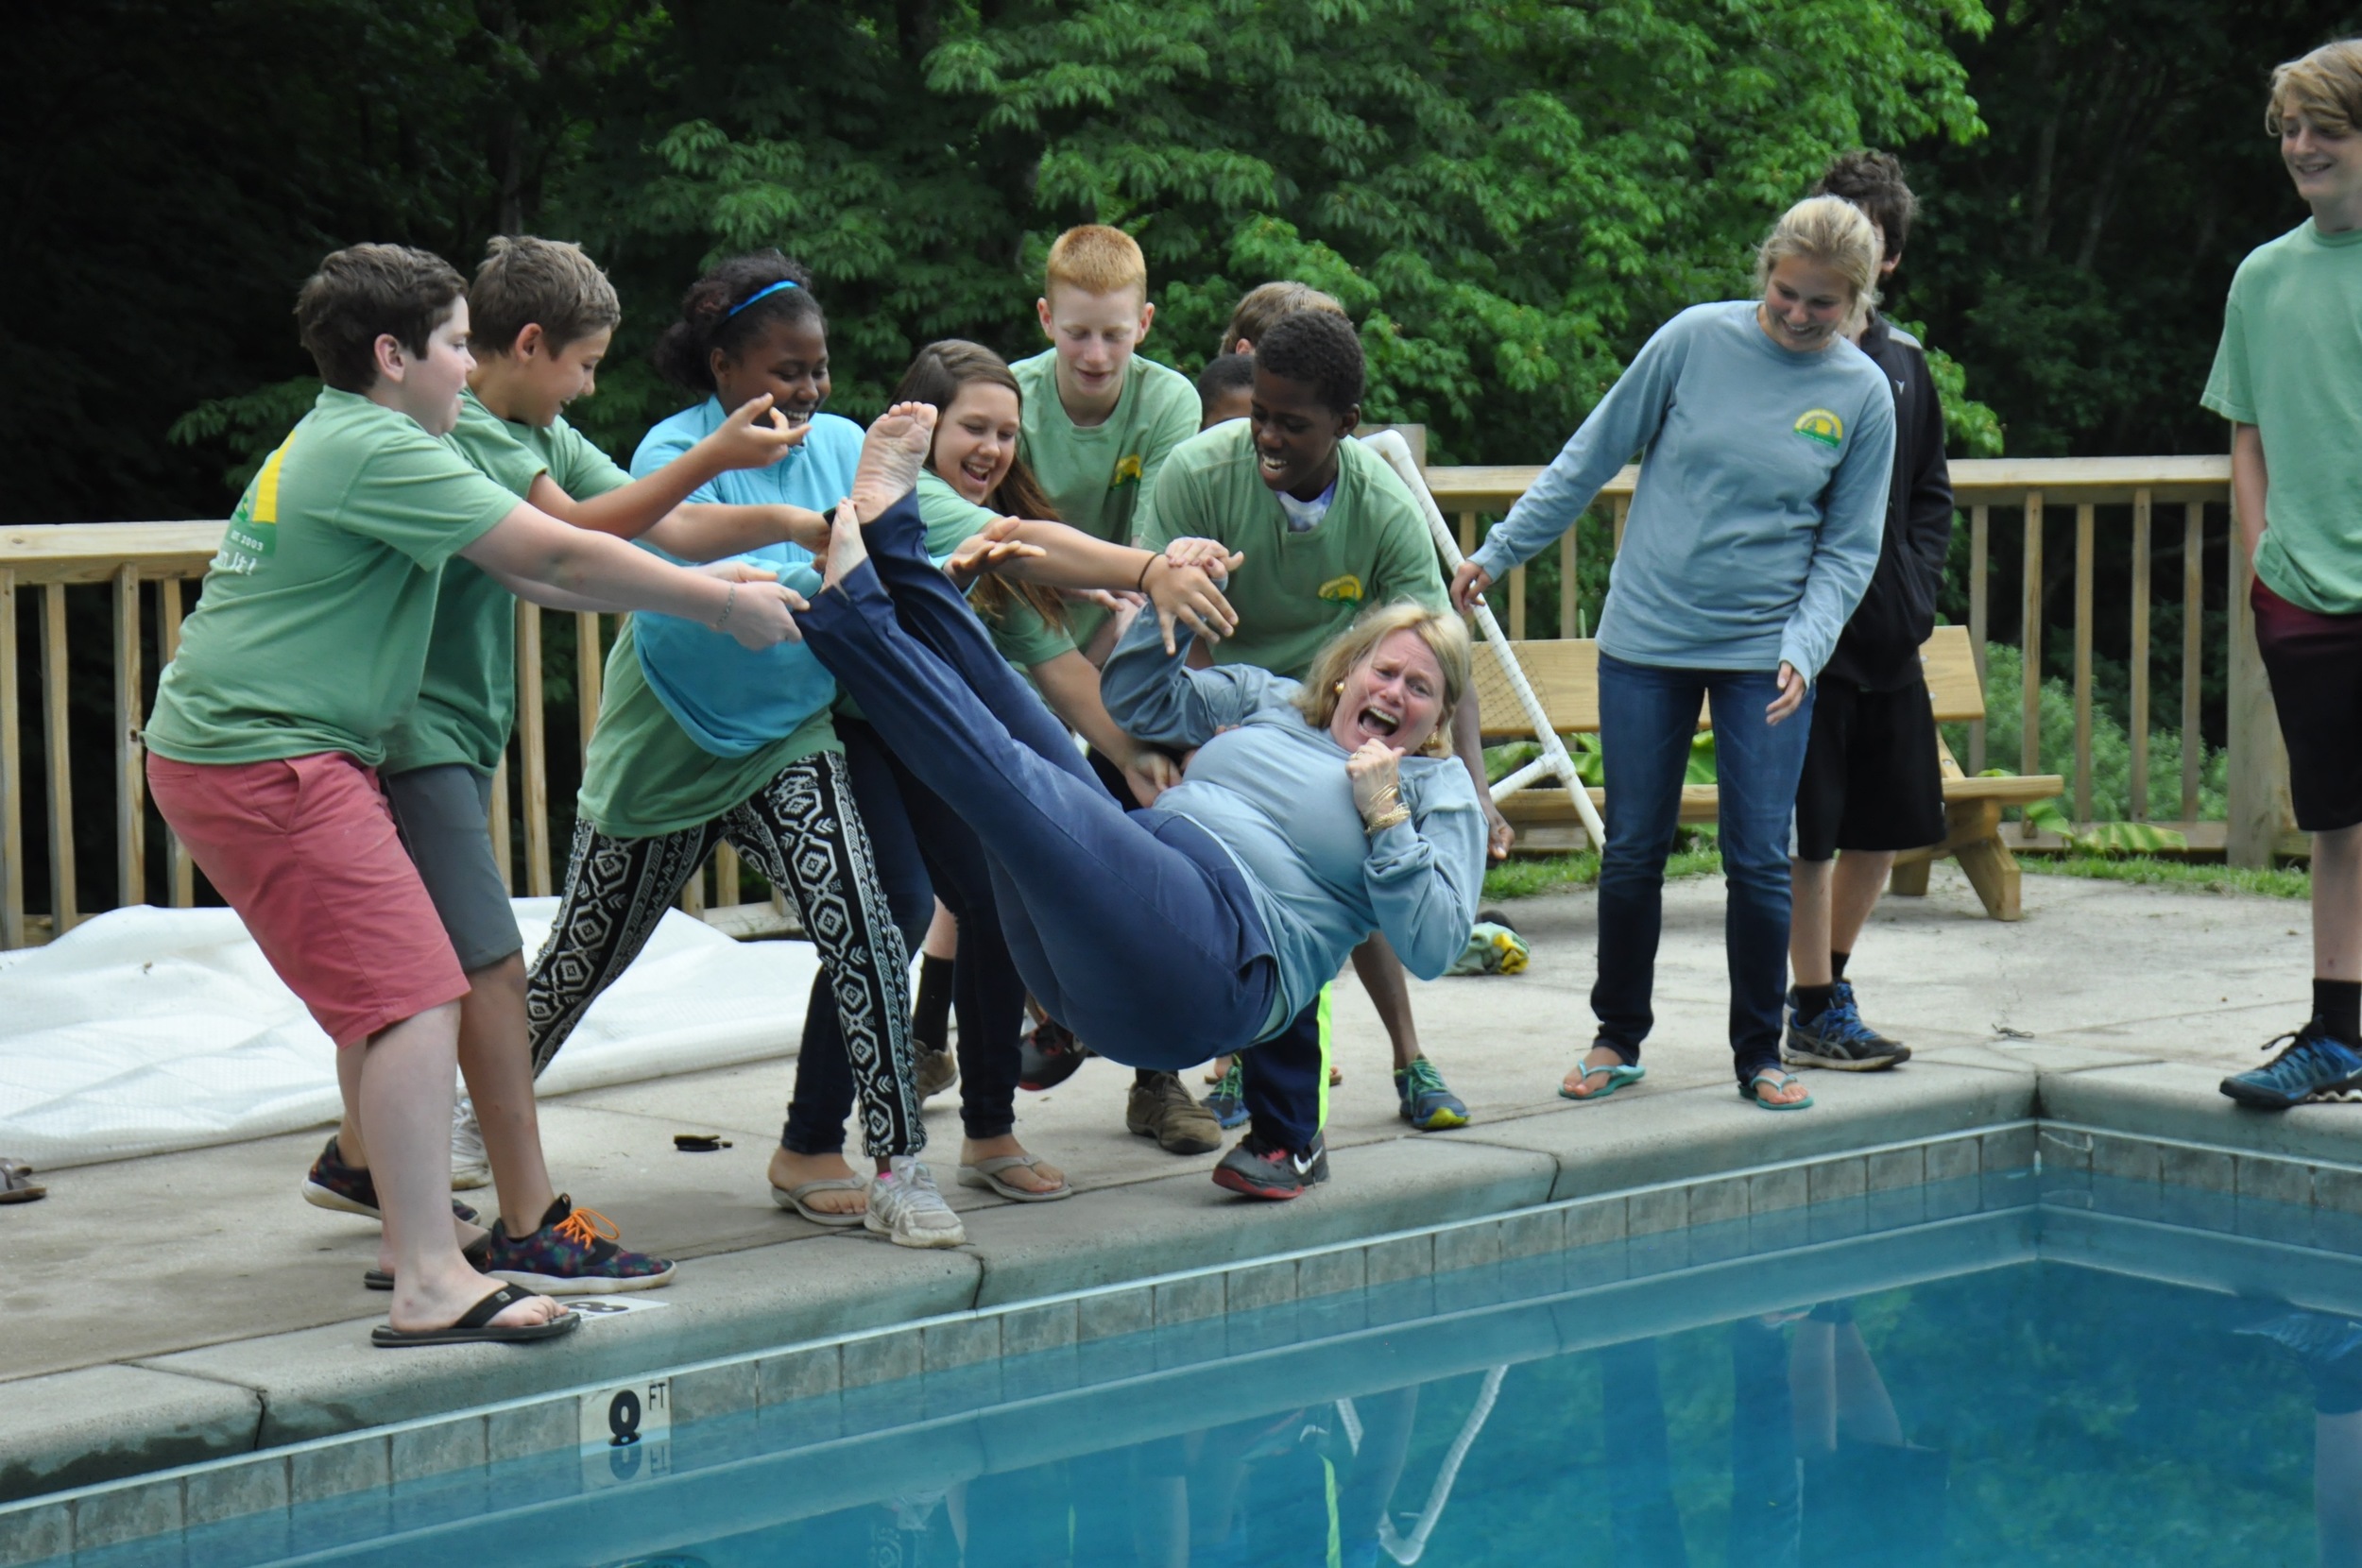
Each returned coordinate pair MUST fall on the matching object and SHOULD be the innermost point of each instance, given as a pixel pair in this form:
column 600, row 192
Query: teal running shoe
column 1425, row 1103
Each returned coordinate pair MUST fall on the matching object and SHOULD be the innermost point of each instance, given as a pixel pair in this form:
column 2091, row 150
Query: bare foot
column 846, row 549
column 450, row 1288
column 1041, row 1176
column 794, row 1170
column 891, row 456
column 1580, row 1086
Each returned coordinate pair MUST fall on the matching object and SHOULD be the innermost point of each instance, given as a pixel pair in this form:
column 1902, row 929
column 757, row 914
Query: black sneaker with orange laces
column 330, row 1184
column 573, row 1253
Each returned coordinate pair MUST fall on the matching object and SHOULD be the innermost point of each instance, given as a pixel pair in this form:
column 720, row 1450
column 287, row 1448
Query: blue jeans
column 1135, row 930
column 1648, row 716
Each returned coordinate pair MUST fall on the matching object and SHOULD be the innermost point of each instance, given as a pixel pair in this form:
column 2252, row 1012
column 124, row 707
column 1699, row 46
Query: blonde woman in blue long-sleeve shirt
column 1768, row 443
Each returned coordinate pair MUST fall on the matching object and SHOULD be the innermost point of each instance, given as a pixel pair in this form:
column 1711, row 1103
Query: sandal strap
column 492, row 1306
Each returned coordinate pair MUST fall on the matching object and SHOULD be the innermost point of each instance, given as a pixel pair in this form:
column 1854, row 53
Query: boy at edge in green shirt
column 1098, row 420
column 2289, row 377
column 1332, row 533
column 544, row 315
column 302, row 657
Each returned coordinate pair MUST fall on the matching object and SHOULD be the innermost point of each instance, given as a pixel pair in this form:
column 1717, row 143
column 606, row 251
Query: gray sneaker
column 468, row 1167
column 906, row 1207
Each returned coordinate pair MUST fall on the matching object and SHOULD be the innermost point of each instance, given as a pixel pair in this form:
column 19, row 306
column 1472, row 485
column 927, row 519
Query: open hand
column 755, row 435
column 1186, row 594
column 735, row 571
column 1468, row 583
column 993, row 545
column 1791, row 697
column 1374, row 771
column 763, row 614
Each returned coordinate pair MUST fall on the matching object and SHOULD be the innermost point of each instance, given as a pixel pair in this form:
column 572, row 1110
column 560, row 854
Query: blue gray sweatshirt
column 1272, row 790
column 1761, row 503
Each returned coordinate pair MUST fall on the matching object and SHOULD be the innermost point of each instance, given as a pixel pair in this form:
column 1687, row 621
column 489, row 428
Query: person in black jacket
column 1872, row 784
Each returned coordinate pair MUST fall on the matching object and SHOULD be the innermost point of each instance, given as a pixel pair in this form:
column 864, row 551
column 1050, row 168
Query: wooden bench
column 1563, row 672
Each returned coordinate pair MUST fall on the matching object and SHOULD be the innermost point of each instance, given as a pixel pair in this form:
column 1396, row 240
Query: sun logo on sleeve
column 1818, row 424
column 1127, row 470
column 1343, row 591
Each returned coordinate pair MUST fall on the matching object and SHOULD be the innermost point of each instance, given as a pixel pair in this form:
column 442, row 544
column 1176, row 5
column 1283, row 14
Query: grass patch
column 1528, row 876
column 2200, row 877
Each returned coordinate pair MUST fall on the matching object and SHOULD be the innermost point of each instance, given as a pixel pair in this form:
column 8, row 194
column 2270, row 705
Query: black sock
column 930, row 1014
column 1837, row 963
column 1813, row 1001
column 2338, row 1005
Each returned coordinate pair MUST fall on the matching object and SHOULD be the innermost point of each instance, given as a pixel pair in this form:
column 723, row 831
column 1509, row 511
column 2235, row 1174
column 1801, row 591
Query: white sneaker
column 468, row 1167
column 906, row 1208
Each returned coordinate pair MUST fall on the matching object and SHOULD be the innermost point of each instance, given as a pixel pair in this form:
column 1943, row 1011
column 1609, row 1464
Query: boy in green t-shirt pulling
column 2289, row 377
column 1098, row 420
column 543, row 314
column 1326, row 529
column 301, row 658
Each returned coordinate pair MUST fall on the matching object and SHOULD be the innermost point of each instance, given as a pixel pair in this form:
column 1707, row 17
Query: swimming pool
column 2010, row 1367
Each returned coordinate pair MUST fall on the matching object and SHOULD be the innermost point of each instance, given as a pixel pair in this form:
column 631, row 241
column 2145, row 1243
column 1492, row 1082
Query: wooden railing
column 2128, row 493
column 140, row 570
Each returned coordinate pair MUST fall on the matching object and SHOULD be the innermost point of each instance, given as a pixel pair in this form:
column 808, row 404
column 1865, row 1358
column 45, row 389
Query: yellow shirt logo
column 1127, row 470
column 1344, row 591
column 253, row 531
column 1818, row 424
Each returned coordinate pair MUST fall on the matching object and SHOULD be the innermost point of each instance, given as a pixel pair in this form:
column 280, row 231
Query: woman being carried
column 1307, row 820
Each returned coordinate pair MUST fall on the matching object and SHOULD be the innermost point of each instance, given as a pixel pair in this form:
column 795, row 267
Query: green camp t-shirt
column 2290, row 362
column 1097, row 477
column 645, row 776
column 1020, row 632
column 312, row 634
column 468, row 698
column 1295, row 591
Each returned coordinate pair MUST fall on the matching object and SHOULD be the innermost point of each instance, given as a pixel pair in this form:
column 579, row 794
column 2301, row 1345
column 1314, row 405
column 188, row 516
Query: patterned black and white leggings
column 802, row 832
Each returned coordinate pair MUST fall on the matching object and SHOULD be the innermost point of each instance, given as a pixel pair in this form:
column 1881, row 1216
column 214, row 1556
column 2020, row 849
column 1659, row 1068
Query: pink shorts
column 305, row 851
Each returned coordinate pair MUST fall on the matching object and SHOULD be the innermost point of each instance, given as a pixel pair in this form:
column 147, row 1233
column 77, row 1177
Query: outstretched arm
column 1070, row 558
column 540, row 558
column 754, row 436
column 1153, row 695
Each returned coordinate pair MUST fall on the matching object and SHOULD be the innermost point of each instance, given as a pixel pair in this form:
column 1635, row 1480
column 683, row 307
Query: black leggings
column 802, row 832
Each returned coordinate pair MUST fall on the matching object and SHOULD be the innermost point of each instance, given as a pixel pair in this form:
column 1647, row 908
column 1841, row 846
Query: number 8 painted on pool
column 622, row 1419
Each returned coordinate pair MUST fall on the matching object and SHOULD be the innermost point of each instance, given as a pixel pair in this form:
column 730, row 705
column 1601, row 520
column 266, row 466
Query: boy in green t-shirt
column 1098, row 420
column 543, row 315
column 1326, row 529
column 301, row 658
column 2289, row 377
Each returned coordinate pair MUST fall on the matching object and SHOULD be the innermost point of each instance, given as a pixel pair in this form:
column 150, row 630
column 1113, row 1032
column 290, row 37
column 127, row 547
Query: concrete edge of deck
column 842, row 1313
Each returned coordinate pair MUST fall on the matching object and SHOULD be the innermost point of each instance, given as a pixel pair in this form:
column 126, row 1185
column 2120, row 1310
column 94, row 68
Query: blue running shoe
column 1837, row 1039
column 1228, row 1098
column 2315, row 1062
column 1426, row 1104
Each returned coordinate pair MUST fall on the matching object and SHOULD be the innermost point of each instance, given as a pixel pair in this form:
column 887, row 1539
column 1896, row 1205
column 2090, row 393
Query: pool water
column 2026, row 1383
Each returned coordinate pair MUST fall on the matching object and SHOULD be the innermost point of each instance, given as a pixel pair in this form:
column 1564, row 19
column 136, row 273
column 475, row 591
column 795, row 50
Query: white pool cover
column 148, row 1029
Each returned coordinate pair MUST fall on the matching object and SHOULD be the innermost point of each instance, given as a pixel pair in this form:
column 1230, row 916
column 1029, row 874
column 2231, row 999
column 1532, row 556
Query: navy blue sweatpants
column 1136, row 931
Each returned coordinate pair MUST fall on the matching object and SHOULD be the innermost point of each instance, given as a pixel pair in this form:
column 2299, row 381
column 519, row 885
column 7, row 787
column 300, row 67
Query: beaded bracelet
column 730, row 602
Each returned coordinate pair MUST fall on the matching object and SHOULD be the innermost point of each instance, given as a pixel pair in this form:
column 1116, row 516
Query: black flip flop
column 479, row 1256
column 475, row 1325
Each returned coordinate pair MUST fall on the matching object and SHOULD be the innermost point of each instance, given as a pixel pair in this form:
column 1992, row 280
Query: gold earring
column 1341, row 688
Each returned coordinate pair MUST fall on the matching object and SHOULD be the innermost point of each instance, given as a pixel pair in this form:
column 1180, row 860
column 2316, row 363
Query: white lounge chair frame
column 1554, row 763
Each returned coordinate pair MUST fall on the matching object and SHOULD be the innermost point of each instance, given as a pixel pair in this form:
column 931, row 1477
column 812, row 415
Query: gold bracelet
column 1386, row 798
column 1386, row 819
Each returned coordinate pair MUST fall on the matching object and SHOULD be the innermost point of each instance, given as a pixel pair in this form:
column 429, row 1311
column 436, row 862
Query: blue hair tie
column 760, row 294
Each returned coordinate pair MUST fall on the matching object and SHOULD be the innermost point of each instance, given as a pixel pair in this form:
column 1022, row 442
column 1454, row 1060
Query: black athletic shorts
column 1871, row 779
column 2314, row 665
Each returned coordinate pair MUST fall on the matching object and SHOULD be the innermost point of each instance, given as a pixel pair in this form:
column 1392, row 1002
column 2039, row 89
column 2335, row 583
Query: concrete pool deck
column 160, row 1311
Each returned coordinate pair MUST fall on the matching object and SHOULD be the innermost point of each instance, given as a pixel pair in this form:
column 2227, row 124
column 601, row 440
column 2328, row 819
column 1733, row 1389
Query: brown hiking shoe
column 1160, row 1108
column 936, row 1070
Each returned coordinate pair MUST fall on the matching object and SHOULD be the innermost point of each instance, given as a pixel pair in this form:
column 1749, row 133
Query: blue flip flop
column 1618, row 1074
column 1779, row 1080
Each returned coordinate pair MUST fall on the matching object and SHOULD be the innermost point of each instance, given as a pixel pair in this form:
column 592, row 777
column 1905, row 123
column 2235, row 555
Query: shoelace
column 1422, row 1077
column 587, row 1228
